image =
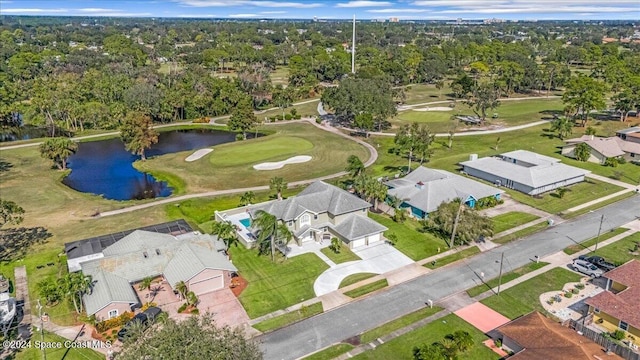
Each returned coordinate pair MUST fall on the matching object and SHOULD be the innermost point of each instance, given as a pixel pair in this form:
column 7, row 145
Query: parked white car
column 587, row 268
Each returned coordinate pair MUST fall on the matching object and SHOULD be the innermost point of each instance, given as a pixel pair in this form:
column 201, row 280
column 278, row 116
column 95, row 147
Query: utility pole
column 44, row 352
column 455, row 224
column 500, row 276
column 353, row 47
column 598, row 237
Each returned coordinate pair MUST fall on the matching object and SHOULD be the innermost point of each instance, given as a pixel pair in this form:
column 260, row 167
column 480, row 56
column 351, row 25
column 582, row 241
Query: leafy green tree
column 584, row 94
column 582, row 152
column 563, row 125
column 270, row 231
column 73, row 286
column 242, row 118
column 336, row 244
column 612, row 162
column 225, row 231
column 58, row 150
column 590, row 131
column 278, row 185
column 137, row 133
column 247, row 198
column 182, row 289
column 282, row 97
column 355, row 167
column 429, row 352
column 470, row 225
column 484, row 97
column 10, row 213
column 175, row 340
column 364, row 122
column 49, row 289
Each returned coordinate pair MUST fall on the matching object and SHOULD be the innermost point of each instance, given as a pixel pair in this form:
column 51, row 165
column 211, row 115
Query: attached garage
column 207, row 281
column 358, row 242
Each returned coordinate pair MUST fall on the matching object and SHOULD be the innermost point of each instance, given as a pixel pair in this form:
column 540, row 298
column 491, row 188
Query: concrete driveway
column 377, row 259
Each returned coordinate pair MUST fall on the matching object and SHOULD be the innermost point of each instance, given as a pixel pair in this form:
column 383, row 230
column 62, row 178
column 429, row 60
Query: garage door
column 374, row 238
column 207, row 285
column 357, row 243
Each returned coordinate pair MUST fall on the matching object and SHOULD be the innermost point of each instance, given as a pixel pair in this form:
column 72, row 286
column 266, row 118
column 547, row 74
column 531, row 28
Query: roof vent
column 145, row 254
column 157, row 251
column 420, row 185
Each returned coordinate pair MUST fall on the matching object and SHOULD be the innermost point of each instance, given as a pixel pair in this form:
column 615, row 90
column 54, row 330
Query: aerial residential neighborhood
column 337, row 179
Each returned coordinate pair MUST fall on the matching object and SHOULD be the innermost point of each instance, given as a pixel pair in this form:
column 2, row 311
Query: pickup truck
column 598, row 261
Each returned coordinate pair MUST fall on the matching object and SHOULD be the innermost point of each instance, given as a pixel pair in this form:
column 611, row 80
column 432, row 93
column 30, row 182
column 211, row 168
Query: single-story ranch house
column 631, row 134
column 525, row 171
column 319, row 212
column 602, row 148
column 196, row 259
column 424, row 189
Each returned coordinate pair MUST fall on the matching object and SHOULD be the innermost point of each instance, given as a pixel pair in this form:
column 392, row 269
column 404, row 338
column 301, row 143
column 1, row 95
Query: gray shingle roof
column 191, row 259
column 318, row 197
column 140, row 240
column 543, row 172
column 438, row 186
column 357, row 226
column 630, row 130
column 608, row 147
column 107, row 288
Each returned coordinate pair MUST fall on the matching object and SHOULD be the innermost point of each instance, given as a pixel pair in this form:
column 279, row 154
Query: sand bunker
column 437, row 108
column 198, row 154
column 280, row 164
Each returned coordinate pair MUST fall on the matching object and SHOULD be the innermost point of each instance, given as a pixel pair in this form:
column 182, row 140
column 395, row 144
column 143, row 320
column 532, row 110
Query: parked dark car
column 598, row 261
column 145, row 318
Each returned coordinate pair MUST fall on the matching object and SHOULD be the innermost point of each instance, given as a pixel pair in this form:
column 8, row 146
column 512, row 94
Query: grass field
column 275, row 286
column 521, row 233
column 510, row 220
column 620, row 251
column 230, row 165
column 490, row 284
column 331, row 352
column 524, row 298
column 344, row 255
column 462, row 254
column 416, row 245
column 398, row 323
column 423, row 93
column 354, row 278
column 401, row 347
column 280, row 75
column 570, row 250
column 64, row 353
column 366, row 289
column 289, row 318
column 510, row 113
column 601, row 204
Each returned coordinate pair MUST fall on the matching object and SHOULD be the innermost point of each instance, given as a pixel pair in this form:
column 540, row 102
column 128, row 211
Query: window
column 623, row 325
column 113, row 313
column 315, row 217
column 305, row 220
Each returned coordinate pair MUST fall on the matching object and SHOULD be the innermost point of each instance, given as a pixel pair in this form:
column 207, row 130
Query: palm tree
column 247, row 198
column 225, row 231
column 377, row 192
column 270, row 230
column 355, row 166
column 582, row 152
column 192, row 298
column 563, row 126
column 73, row 286
column 182, row 289
column 145, row 283
column 278, row 185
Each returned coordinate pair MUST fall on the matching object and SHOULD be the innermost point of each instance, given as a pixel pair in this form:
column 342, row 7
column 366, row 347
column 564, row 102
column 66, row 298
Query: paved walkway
column 627, row 188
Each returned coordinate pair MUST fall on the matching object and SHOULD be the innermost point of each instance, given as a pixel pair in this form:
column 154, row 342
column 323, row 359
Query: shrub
column 336, row 244
column 105, row 325
column 568, row 295
column 575, row 290
column 580, row 286
column 147, row 305
column 182, row 308
column 318, row 120
column 612, row 162
column 294, row 112
column 551, row 300
column 195, row 311
column 618, row 334
column 201, row 120
column 498, row 343
column 114, row 331
column 297, row 116
column 287, row 116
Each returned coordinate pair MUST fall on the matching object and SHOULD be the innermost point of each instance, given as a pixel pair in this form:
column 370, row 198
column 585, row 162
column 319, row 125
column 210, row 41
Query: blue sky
column 333, row 9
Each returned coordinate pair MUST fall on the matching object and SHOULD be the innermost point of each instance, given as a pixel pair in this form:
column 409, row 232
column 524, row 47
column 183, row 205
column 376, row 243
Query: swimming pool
column 246, row 222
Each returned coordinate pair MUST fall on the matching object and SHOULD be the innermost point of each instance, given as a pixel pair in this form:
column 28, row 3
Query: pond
column 106, row 168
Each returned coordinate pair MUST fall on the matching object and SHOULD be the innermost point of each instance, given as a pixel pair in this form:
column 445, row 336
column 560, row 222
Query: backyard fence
column 603, row 341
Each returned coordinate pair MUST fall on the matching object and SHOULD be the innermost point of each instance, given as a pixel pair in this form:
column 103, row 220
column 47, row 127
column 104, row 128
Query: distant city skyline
column 333, row 9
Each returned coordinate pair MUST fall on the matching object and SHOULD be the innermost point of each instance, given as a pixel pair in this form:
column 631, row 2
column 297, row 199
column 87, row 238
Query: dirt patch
column 354, row 340
column 239, row 284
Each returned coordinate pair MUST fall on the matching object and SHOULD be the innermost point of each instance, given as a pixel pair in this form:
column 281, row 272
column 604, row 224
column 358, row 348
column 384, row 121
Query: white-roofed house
column 424, row 189
column 525, row 171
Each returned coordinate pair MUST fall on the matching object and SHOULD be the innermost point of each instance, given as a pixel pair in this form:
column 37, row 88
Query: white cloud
column 394, row 11
column 97, row 10
column 356, row 4
column 32, row 11
column 195, row 16
column 243, row 15
column 273, row 12
column 256, row 3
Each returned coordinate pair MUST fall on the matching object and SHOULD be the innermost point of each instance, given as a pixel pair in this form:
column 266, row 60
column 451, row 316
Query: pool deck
column 244, row 232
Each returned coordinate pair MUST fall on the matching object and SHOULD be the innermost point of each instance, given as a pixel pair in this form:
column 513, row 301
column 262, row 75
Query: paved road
column 323, row 330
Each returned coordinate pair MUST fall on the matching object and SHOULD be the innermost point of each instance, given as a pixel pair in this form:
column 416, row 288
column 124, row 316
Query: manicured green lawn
column 578, row 194
column 230, row 165
column 510, row 220
column 416, row 245
column 570, row 250
column 344, row 255
column 330, row 352
column 275, row 286
column 366, row 289
column 601, row 204
column 524, row 298
column 488, row 285
column 401, row 347
column 468, row 252
column 280, row 75
column 620, row 251
column 289, row 318
column 354, row 278
column 423, row 93
column 521, row 233
column 63, row 353
column 398, row 323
